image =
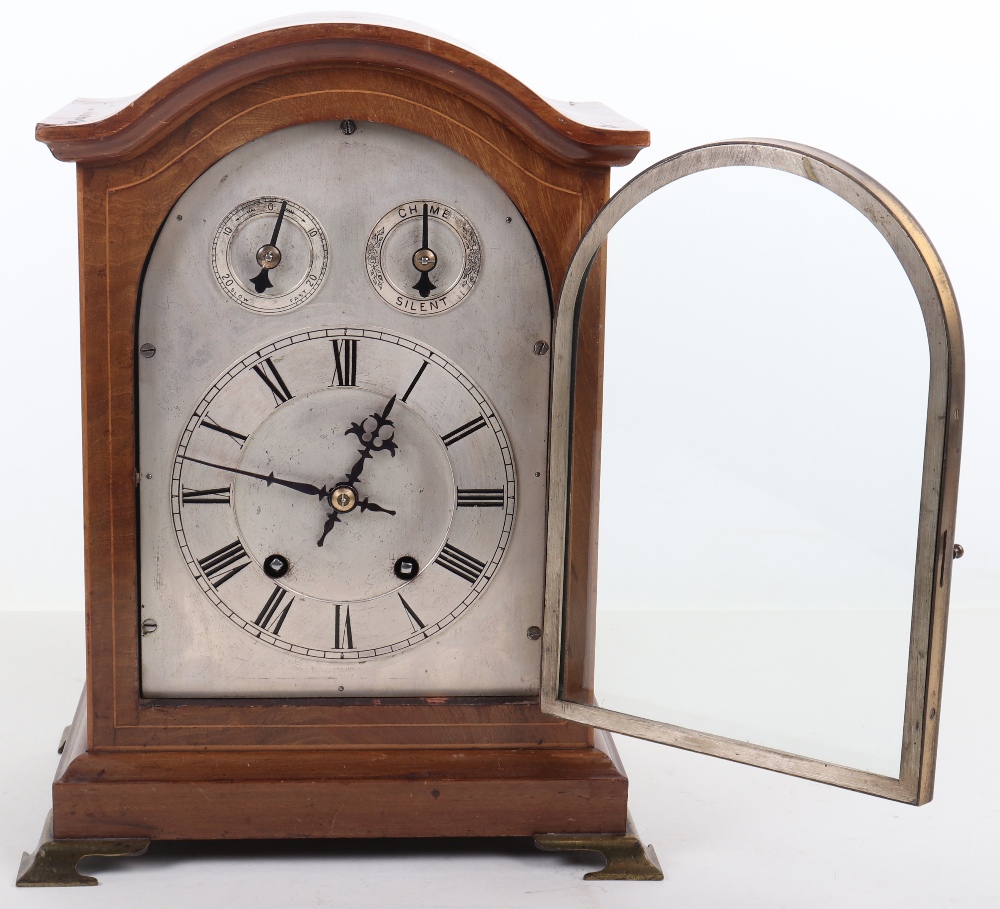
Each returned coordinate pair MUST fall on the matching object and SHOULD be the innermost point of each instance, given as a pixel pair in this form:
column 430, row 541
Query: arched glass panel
column 781, row 417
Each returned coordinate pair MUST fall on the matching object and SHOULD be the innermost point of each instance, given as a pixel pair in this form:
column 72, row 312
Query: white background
column 765, row 404
column 903, row 90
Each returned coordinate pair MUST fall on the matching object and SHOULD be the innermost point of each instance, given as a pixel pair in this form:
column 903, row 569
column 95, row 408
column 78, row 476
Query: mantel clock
column 342, row 315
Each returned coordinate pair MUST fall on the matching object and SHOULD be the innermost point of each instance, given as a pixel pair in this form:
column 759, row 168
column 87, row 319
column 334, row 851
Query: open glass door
column 778, row 469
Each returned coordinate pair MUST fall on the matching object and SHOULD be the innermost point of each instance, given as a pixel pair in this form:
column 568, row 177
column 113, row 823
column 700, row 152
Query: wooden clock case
column 158, row 769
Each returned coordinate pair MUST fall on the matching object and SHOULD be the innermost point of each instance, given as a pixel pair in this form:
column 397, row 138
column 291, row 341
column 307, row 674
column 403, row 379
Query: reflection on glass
column 766, row 374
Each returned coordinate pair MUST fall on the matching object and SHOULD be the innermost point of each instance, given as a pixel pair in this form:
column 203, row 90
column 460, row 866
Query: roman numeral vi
column 343, row 639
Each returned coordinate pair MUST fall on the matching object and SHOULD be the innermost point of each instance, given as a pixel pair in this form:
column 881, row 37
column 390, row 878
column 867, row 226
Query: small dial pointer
column 424, row 260
column 269, row 256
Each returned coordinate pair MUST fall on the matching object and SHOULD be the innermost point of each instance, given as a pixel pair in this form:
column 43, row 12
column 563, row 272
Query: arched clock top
column 97, row 132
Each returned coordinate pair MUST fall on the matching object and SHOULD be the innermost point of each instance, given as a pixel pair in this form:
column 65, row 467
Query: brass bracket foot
column 626, row 859
column 53, row 863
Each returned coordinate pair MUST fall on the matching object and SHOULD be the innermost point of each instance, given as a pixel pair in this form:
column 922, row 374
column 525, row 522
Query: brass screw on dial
column 343, row 499
column 424, row 260
column 268, row 256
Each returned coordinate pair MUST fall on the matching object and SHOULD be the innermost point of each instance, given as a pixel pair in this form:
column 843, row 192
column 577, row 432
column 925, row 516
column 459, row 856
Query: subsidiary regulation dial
column 270, row 254
column 423, row 257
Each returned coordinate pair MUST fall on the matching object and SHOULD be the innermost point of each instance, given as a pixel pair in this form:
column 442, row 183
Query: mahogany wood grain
column 102, row 132
column 265, row 793
column 123, row 206
column 134, row 161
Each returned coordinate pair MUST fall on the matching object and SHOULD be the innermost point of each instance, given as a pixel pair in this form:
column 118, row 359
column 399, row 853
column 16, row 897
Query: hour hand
column 365, row 505
column 375, row 442
column 334, row 517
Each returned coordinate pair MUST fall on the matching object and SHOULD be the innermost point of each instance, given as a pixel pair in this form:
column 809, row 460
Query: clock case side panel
column 122, row 206
column 110, row 546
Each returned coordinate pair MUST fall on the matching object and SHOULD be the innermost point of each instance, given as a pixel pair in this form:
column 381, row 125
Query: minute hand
column 269, row 478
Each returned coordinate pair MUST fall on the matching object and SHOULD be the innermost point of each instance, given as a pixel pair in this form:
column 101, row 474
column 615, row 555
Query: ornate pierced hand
column 344, row 497
column 375, row 442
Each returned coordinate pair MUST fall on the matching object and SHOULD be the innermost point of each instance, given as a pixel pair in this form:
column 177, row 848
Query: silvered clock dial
column 343, row 494
column 340, row 497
